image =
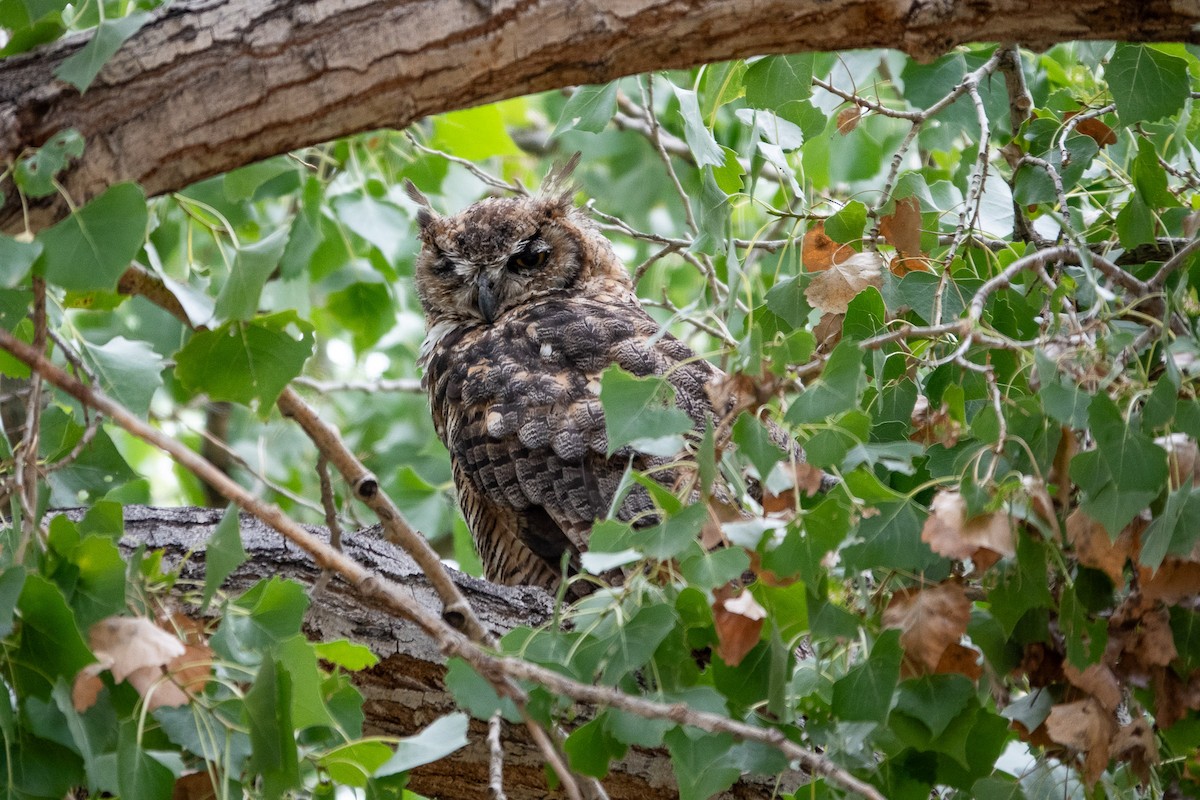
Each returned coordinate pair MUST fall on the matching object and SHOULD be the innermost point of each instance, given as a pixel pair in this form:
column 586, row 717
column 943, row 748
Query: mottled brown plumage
column 526, row 305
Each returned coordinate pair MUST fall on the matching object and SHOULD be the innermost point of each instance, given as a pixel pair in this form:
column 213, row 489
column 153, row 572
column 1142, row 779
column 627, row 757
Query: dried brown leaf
column 129, row 644
column 902, row 228
column 1136, row 745
column 934, row 426
column 847, row 119
column 1183, row 458
column 930, row 621
column 1097, row 680
column 984, row 538
column 819, row 252
column 738, row 622
column 1173, row 582
column 1094, row 549
column 86, row 688
column 194, row 786
column 1085, row 727
column 804, row 478
column 832, row 290
column 1093, row 127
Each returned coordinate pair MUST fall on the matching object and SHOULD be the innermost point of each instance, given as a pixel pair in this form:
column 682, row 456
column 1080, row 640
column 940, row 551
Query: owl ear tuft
column 558, row 188
column 425, row 213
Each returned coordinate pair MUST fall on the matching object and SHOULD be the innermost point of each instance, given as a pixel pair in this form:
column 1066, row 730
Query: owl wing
column 517, row 404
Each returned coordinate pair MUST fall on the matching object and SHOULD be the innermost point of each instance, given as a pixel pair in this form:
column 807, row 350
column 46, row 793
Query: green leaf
column 130, row 371
column 267, row 614
column 92, row 248
column 639, row 408
column 223, row 554
column 1149, row 177
column 140, row 776
column 703, row 765
column 353, row 763
column 475, row 134
column 848, row 224
column 712, row 216
column 1175, row 530
column 671, row 537
column 591, row 747
column 699, row 139
column 865, row 692
column 35, row 175
column 1147, row 84
column 241, row 184
column 346, row 654
column 775, row 81
column 589, row 109
column 473, row 693
column 246, row 362
column 51, row 645
column 755, row 443
column 268, row 712
column 837, row 390
column 934, row 700
column 787, row 301
column 710, row 570
column 381, row 223
column 16, row 258
column 12, row 580
column 81, row 68
column 252, row 265
column 1062, row 400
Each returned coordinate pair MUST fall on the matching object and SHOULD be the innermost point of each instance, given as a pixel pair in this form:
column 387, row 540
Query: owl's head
column 500, row 253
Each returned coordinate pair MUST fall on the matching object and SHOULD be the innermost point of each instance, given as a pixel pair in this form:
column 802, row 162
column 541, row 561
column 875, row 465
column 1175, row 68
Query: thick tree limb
column 210, row 85
column 405, row 691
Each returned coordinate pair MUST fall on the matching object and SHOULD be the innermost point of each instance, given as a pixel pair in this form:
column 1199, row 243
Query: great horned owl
column 526, row 304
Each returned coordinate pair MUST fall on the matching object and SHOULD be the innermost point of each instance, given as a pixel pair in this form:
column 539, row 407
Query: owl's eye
column 443, row 266
column 532, row 257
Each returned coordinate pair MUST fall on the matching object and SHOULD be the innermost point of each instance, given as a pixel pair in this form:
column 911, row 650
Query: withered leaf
column 847, row 119
column 1136, row 745
column 1094, row 549
column 738, row 622
column 902, row 228
column 1085, row 727
column 832, row 290
column 931, row 620
column 819, row 252
column 984, row 538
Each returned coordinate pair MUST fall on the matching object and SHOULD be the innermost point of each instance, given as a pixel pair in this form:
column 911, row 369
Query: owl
column 526, row 305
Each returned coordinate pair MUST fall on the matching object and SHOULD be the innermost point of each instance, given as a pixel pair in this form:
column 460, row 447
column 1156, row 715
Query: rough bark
column 210, row 85
column 405, row 691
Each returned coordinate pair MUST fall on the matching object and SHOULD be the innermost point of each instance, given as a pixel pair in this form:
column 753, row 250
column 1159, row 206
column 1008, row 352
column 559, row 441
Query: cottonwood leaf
column 820, row 251
column 984, row 538
column 437, row 740
column 639, row 408
column 699, row 138
column 739, row 622
column 865, row 692
column 223, row 554
column 1147, row 84
column 1096, row 549
column 92, row 248
column 136, row 650
column 81, row 68
column 902, row 228
column 832, row 290
column 246, row 362
column 589, row 109
column 931, row 620
column 129, row 370
column 1083, row 726
column 836, row 391
column 252, row 265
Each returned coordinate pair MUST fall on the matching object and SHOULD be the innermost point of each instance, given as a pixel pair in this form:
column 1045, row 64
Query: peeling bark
column 211, row 85
column 405, row 691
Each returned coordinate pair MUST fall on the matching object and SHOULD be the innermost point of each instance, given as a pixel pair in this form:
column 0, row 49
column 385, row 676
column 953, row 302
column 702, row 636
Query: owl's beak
column 487, row 298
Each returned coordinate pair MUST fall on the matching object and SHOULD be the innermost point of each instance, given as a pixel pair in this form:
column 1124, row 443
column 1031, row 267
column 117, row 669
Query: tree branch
column 210, row 85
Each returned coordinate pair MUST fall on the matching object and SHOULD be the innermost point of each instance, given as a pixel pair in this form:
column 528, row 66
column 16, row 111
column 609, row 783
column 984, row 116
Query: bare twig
column 406, row 385
column 496, row 760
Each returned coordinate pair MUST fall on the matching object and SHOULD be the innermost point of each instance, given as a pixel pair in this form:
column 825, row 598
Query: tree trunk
column 405, row 691
column 210, row 85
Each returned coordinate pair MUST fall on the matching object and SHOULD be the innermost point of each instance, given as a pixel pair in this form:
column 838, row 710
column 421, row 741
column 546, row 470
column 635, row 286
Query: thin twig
column 496, row 758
